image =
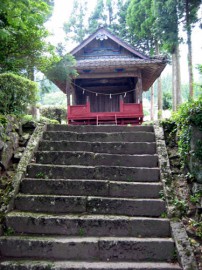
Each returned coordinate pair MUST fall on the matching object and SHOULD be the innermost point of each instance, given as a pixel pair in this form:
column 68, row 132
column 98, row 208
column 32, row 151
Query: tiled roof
column 101, row 62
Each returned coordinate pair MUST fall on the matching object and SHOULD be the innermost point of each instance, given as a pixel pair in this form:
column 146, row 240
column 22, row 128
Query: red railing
column 129, row 112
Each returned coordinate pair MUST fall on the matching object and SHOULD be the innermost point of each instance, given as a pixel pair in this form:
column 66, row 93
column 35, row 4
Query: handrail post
column 121, row 103
column 88, row 103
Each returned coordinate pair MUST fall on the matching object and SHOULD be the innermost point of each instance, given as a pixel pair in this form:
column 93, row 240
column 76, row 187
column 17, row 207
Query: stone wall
column 14, row 136
column 195, row 164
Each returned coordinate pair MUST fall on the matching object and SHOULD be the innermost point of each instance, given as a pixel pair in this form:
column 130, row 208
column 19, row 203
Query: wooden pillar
column 73, row 89
column 67, row 90
column 139, row 89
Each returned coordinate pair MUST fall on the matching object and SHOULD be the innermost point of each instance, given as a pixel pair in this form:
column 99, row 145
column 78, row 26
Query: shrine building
column 112, row 76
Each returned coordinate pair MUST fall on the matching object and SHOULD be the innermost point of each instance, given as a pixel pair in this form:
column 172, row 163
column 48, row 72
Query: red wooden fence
column 130, row 113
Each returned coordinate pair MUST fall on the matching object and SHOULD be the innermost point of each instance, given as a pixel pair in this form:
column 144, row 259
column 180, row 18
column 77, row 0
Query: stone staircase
column 91, row 201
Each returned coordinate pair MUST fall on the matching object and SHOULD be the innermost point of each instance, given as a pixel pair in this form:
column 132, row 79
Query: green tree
column 62, row 70
column 168, row 29
column 75, row 28
column 189, row 10
column 22, row 35
column 98, row 17
column 119, row 26
column 16, row 93
column 141, row 18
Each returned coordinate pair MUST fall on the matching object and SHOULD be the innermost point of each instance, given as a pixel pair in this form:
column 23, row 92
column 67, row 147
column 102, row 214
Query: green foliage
column 107, row 13
column 75, row 28
column 188, row 12
column 52, row 98
column 62, row 70
column 141, row 20
column 40, row 175
column 196, row 197
column 98, row 17
column 45, row 120
column 189, row 114
column 167, row 21
column 55, row 112
column 22, row 35
column 16, row 93
column 167, row 101
column 181, row 206
column 9, row 231
column 3, row 120
column 196, row 226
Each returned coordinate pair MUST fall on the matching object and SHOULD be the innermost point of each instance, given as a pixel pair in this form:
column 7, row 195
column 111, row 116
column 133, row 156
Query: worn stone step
column 93, row 159
column 70, row 265
column 130, row 148
column 88, row 248
column 100, row 136
column 94, row 205
column 87, row 225
column 67, row 265
column 90, row 188
column 117, row 173
column 105, row 128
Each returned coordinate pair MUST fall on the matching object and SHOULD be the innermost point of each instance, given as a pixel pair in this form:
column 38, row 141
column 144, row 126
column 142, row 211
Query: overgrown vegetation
column 189, row 115
column 16, row 93
column 57, row 113
column 179, row 131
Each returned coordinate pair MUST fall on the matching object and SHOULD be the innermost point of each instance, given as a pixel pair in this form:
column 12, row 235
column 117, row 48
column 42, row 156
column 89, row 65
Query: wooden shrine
column 111, row 78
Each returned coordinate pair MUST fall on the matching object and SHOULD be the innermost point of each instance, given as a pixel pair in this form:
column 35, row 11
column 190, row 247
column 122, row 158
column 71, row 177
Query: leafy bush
column 188, row 115
column 167, row 101
column 16, row 93
column 62, row 70
column 57, row 113
column 45, row 120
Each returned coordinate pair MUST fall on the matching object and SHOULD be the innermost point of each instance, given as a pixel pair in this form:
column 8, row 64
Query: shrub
column 188, row 115
column 57, row 113
column 16, row 93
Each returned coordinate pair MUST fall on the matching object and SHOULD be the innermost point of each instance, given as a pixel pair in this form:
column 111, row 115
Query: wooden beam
column 103, row 82
column 108, row 88
column 107, row 75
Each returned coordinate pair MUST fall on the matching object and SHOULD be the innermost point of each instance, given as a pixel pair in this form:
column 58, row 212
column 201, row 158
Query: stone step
column 129, row 148
column 70, row 265
column 88, row 248
column 100, row 128
column 91, row 205
column 90, row 188
column 87, row 225
column 116, row 173
column 93, row 159
column 100, row 136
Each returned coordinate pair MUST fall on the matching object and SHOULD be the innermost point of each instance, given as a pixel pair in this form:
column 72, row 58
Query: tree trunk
column 174, row 103
column 30, row 72
column 160, row 104
column 159, row 88
column 189, row 56
column 152, row 103
column 176, row 79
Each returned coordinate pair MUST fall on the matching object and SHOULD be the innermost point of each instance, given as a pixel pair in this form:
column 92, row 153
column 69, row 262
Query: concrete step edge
column 65, row 265
column 62, row 265
column 82, row 217
column 93, row 167
column 88, row 197
column 94, row 180
column 88, row 239
column 93, row 153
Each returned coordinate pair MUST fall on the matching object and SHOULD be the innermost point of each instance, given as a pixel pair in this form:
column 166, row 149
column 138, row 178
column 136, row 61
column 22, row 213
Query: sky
column 62, row 11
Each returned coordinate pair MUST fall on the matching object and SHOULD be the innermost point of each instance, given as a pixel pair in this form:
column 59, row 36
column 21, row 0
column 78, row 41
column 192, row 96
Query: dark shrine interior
column 104, row 93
